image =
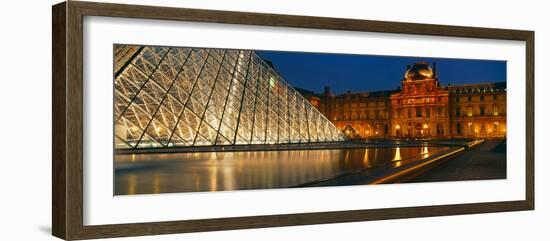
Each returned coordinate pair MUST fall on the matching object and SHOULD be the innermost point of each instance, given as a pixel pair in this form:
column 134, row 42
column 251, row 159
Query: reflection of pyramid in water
column 178, row 97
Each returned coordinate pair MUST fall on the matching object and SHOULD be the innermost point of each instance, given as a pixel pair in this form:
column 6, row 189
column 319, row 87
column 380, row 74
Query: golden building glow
column 420, row 108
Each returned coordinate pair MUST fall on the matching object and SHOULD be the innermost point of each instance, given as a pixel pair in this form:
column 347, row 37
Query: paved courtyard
column 487, row 161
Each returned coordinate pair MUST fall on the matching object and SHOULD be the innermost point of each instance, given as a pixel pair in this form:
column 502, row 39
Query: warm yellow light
column 424, row 150
column 398, row 127
column 425, row 126
column 475, row 131
column 397, row 155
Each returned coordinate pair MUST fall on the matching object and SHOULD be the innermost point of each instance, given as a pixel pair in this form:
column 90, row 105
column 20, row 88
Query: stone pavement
column 487, row 161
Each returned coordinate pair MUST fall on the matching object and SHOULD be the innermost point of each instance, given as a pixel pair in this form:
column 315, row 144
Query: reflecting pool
column 239, row 170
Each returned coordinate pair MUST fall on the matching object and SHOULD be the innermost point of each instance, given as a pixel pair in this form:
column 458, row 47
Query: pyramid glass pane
column 182, row 97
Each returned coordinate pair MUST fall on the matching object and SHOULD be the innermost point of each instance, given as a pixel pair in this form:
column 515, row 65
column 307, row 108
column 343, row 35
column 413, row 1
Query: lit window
column 495, row 111
column 470, row 111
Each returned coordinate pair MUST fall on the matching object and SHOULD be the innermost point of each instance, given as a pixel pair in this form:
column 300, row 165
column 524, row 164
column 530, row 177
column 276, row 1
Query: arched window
column 380, row 114
column 440, row 130
column 495, row 110
column 495, row 127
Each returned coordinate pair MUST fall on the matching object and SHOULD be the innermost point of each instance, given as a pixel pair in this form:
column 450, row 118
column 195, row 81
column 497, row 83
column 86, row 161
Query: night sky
column 363, row 73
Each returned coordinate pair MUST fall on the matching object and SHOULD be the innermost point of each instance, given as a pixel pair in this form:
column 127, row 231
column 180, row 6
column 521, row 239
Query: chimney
column 327, row 90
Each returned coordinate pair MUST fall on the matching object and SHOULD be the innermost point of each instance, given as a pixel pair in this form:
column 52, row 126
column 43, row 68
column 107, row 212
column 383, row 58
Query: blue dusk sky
column 363, row 73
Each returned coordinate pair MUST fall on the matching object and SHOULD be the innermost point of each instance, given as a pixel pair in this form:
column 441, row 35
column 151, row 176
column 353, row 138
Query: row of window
column 410, row 101
column 420, row 88
column 482, row 111
column 419, row 100
column 360, row 116
column 418, row 112
column 470, row 129
column 360, row 104
column 439, row 99
column 481, row 98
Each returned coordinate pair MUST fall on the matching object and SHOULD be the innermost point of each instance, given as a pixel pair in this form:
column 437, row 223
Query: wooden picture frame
column 67, row 156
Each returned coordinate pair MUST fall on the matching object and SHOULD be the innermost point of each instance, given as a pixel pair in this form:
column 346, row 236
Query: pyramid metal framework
column 181, row 97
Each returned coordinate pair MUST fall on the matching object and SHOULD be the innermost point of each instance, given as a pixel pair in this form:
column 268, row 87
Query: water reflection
column 220, row 171
column 425, row 152
column 397, row 156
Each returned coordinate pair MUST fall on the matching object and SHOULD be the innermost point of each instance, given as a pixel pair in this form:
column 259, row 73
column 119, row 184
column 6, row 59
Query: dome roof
column 418, row 71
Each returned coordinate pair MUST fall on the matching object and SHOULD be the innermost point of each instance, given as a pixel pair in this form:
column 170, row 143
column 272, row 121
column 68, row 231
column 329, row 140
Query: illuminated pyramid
column 180, row 97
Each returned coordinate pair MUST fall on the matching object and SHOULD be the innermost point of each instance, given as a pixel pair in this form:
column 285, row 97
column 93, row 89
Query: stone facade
column 420, row 108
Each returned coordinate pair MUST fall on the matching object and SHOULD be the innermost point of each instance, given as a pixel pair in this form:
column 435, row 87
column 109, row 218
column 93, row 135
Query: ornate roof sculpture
column 419, row 71
column 180, row 97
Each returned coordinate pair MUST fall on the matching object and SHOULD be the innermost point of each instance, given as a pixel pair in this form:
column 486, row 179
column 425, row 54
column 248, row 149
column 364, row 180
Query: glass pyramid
column 181, row 97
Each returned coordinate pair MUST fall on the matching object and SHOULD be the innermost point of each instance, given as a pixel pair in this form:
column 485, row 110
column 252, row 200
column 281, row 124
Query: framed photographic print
column 171, row 120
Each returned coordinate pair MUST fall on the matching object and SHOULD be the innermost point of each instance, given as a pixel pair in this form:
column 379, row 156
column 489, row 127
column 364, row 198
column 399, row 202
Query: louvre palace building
column 420, row 108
